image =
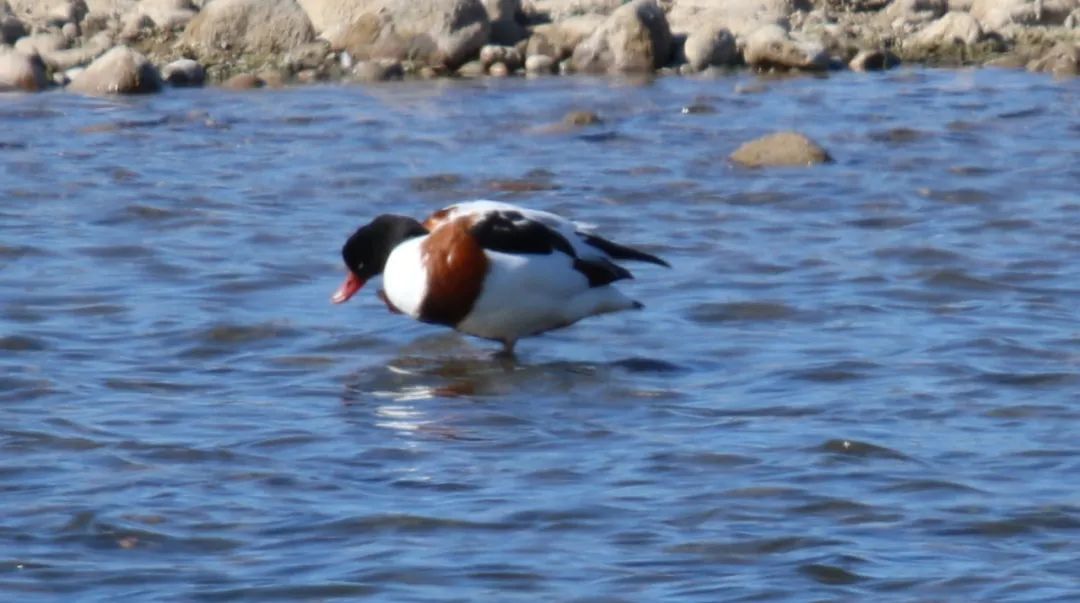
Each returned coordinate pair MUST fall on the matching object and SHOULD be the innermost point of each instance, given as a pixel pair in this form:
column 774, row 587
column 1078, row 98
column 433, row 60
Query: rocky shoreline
column 139, row 46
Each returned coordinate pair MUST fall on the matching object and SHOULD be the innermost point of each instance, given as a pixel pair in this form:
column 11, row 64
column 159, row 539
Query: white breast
column 405, row 278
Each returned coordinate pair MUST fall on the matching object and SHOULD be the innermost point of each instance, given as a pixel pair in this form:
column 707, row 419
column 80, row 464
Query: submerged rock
column 780, row 149
column 243, row 81
column 636, row 37
column 119, row 71
column 581, row 118
column 21, row 72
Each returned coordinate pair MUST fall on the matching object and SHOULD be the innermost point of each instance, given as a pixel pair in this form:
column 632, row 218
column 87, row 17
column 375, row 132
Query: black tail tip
column 638, row 305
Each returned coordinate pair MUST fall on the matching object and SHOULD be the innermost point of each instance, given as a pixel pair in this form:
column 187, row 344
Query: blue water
column 858, row 382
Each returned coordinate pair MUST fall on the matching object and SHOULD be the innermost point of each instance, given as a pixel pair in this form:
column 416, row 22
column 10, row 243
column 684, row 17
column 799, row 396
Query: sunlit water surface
column 858, row 382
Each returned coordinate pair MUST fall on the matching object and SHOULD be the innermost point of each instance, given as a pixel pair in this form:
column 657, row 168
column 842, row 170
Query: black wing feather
column 620, row 252
column 512, row 232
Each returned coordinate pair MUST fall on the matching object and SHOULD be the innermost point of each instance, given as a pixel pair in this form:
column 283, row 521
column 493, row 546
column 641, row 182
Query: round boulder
column 770, row 47
column 709, row 45
column 119, row 71
column 636, row 37
column 248, row 27
column 780, row 149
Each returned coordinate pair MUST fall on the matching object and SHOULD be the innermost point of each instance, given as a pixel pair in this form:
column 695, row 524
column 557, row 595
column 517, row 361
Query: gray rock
column 43, row 13
column 995, row 15
column 709, row 45
column 21, row 72
column 61, row 60
column 119, row 71
column 257, row 27
column 41, row 43
column 472, row 69
column 538, row 64
column 378, row 70
column 740, row 17
column 558, row 40
column 432, row 32
column 184, row 72
column 635, row 37
column 780, row 149
column 770, row 47
column 915, row 10
column 874, row 60
column 1062, row 60
column 167, row 14
column 953, row 28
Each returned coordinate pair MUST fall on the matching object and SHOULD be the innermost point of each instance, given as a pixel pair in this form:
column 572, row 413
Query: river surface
column 859, row 381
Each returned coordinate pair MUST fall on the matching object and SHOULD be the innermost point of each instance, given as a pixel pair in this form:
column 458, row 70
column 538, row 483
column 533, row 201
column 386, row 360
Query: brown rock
column 119, row 71
column 635, row 37
column 508, row 55
column 248, row 26
column 472, row 69
column 780, row 149
column 581, row 118
column 21, row 72
column 243, row 81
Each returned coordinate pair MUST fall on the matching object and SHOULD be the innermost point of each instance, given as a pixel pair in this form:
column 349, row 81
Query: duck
column 490, row 269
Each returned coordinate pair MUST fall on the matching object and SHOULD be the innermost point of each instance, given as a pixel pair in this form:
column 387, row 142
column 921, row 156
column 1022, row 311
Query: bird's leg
column 508, row 349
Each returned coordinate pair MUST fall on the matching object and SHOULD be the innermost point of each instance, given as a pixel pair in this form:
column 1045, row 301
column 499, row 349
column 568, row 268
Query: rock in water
column 21, row 72
column 780, row 149
column 709, row 45
column 119, row 71
column 184, row 72
column 770, row 47
column 874, row 60
column 636, row 37
column 257, row 27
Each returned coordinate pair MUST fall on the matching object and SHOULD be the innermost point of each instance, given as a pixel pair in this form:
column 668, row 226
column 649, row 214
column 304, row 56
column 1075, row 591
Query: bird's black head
column 366, row 251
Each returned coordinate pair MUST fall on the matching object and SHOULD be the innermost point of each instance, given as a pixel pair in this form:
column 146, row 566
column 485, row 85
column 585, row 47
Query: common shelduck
column 490, row 269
